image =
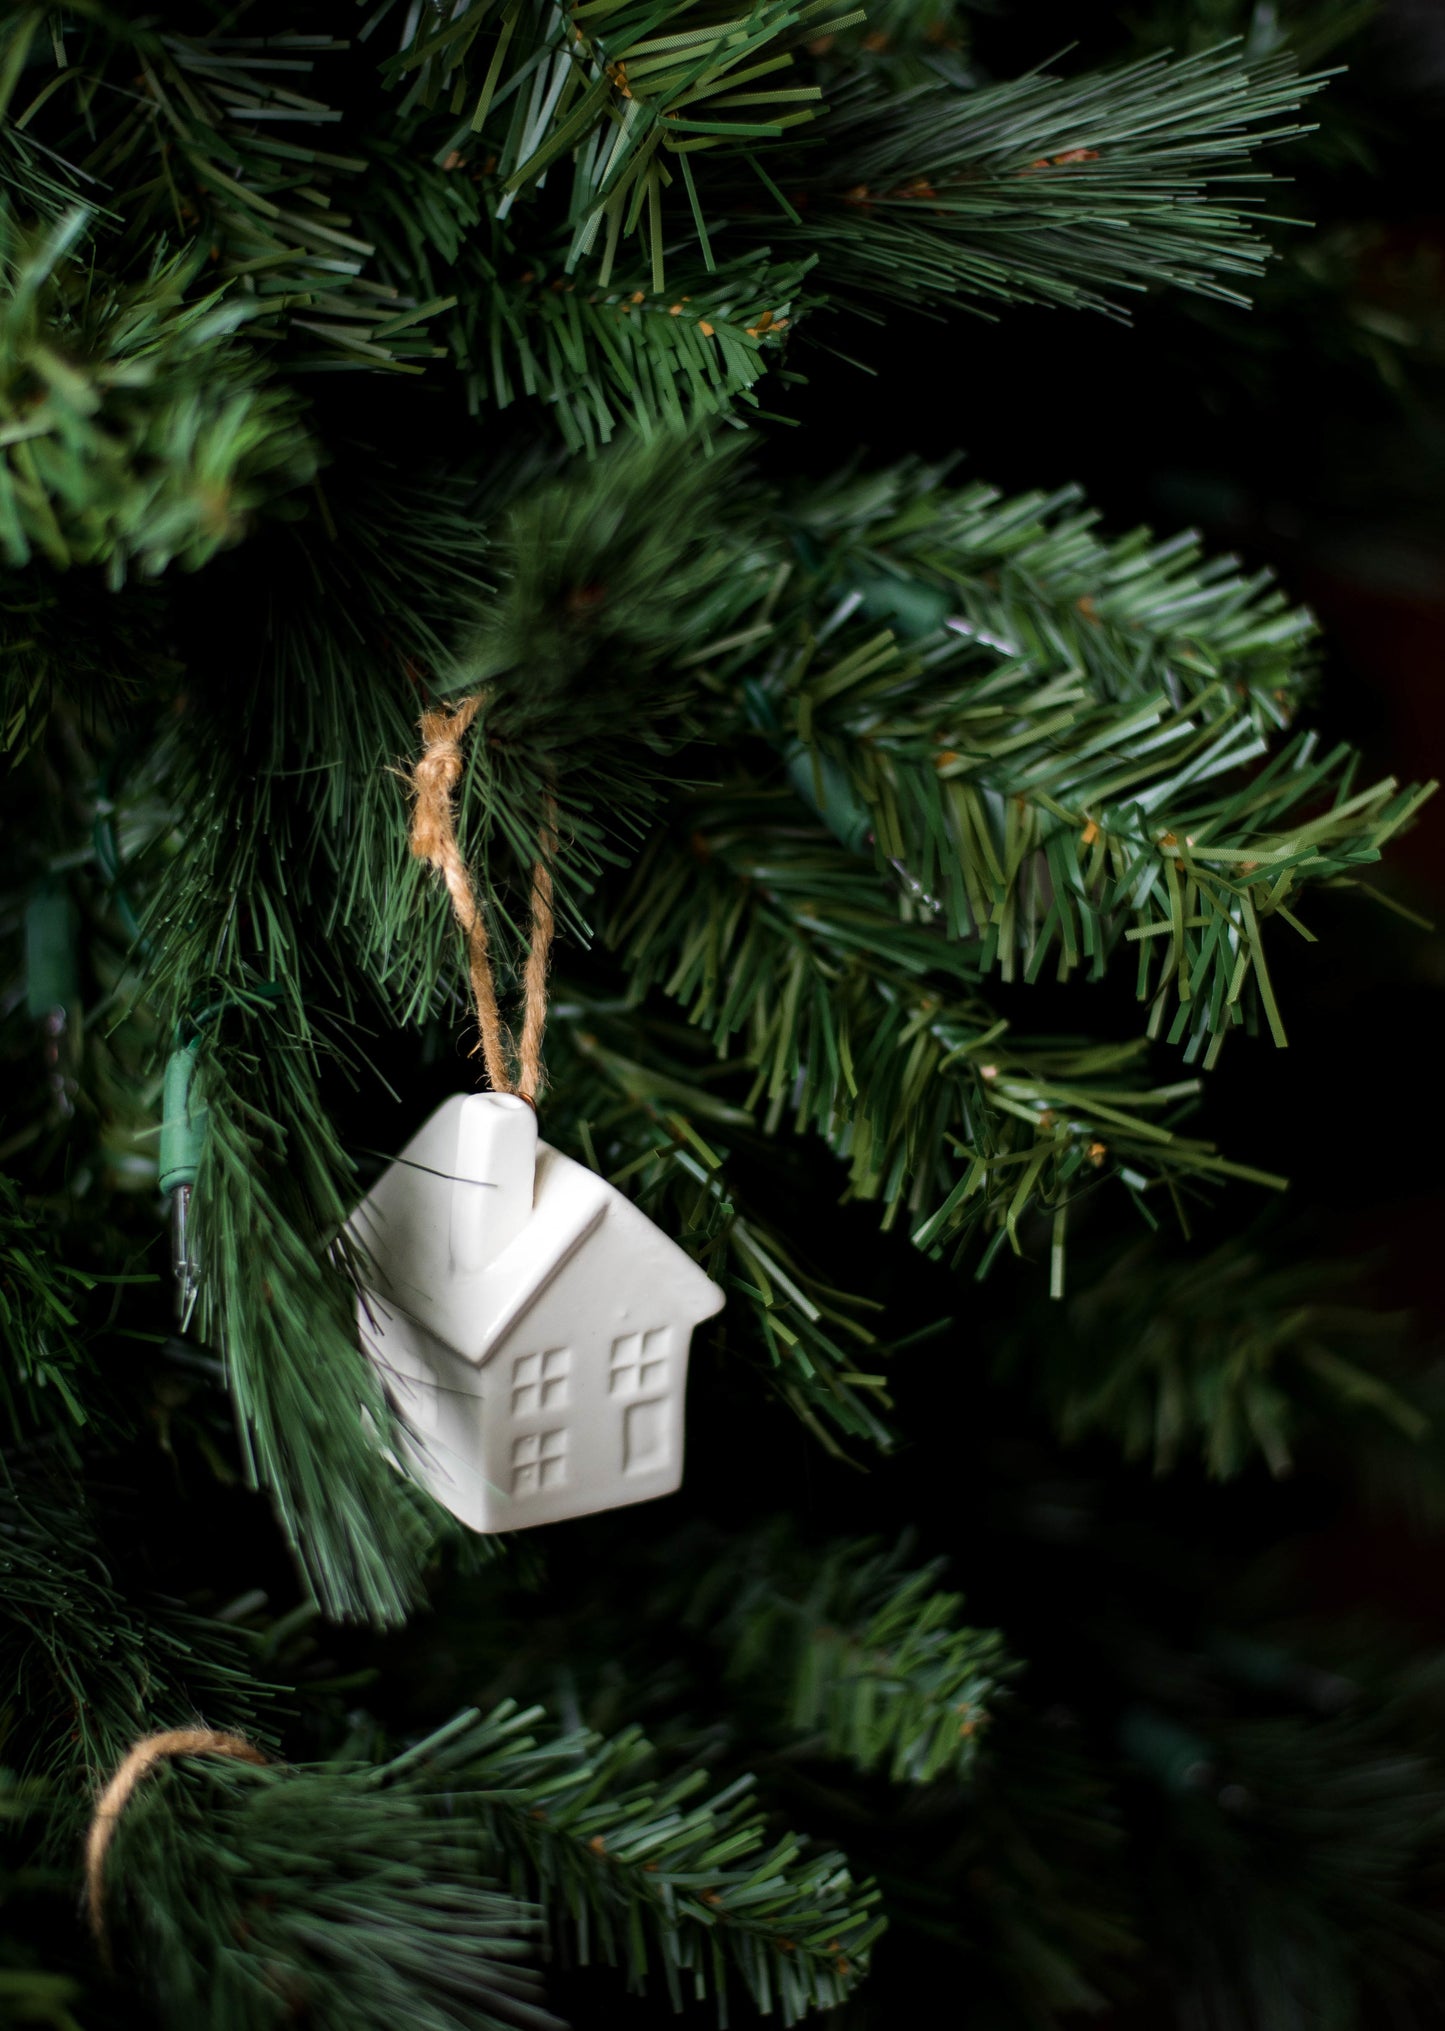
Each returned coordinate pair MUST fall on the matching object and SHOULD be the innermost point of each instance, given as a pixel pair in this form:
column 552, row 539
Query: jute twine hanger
column 144, row 1756
column 434, row 839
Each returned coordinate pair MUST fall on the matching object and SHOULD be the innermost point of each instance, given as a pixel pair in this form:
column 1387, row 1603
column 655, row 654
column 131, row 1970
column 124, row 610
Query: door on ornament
column 638, row 1378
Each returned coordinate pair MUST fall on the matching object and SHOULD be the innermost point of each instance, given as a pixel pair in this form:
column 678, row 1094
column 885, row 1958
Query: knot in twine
column 434, row 839
column 145, row 1756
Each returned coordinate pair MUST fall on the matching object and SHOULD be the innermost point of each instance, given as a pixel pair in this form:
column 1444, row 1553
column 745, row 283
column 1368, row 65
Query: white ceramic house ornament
column 531, row 1324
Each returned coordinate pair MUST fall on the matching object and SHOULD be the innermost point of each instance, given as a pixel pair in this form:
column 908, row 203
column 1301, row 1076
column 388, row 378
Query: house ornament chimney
column 492, row 1178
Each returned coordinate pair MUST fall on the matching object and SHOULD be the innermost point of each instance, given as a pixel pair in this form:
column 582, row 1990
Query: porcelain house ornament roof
column 532, row 1324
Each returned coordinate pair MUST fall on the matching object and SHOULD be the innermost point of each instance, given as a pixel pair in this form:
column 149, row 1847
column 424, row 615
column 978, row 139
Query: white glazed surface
column 533, row 1325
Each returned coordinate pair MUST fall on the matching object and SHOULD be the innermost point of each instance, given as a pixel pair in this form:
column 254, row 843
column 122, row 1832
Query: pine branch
column 296, row 684
column 631, row 1100
column 624, row 358
column 1352, row 1923
column 607, row 574
column 604, row 579
column 269, row 1196
column 629, row 91
column 857, row 1655
column 37, row 1996
column 1041, row 763
column 906, row 42
column 249, row 1897
column 36, row 184
column 67, row 640
column 272, row 1193
column 87, row 1669
column 1041, row 190
column 1079, row 191
column 256, row 1888
column 1022, row 1881
column 137, row 432
column 623, row 569
column 217, row 140
column 46, row 1358
column 1032, row 576
column 641, row 1872
column 1059, row 868
column 1225, row 1356
column 864, row 1029
column 603, row 357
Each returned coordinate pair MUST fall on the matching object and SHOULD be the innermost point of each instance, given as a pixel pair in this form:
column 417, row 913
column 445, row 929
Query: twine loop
column 434, row 778
column 143, row 1757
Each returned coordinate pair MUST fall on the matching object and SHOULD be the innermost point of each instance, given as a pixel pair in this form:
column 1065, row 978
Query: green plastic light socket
column 183, row 1128
column 52, row 969
column 821, row 783
column 910, row 608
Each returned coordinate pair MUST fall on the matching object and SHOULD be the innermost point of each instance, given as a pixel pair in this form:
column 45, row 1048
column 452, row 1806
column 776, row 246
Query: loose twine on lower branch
column 434, row 838
column 145, row 1756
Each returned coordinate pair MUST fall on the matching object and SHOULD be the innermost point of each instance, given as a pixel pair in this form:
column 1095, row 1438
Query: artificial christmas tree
column 909, row 873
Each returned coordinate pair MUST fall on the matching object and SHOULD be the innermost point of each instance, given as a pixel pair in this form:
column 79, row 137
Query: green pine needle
column 866, row 1030
column 856, row 1654
column 44, row 1378
column 1065, row 766
column 1228, row 1356
column 136, row 431
column 653, row 1875
column 637, row 1102
column 1072, row 191
column 342, row 1895
column 87, row 1669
